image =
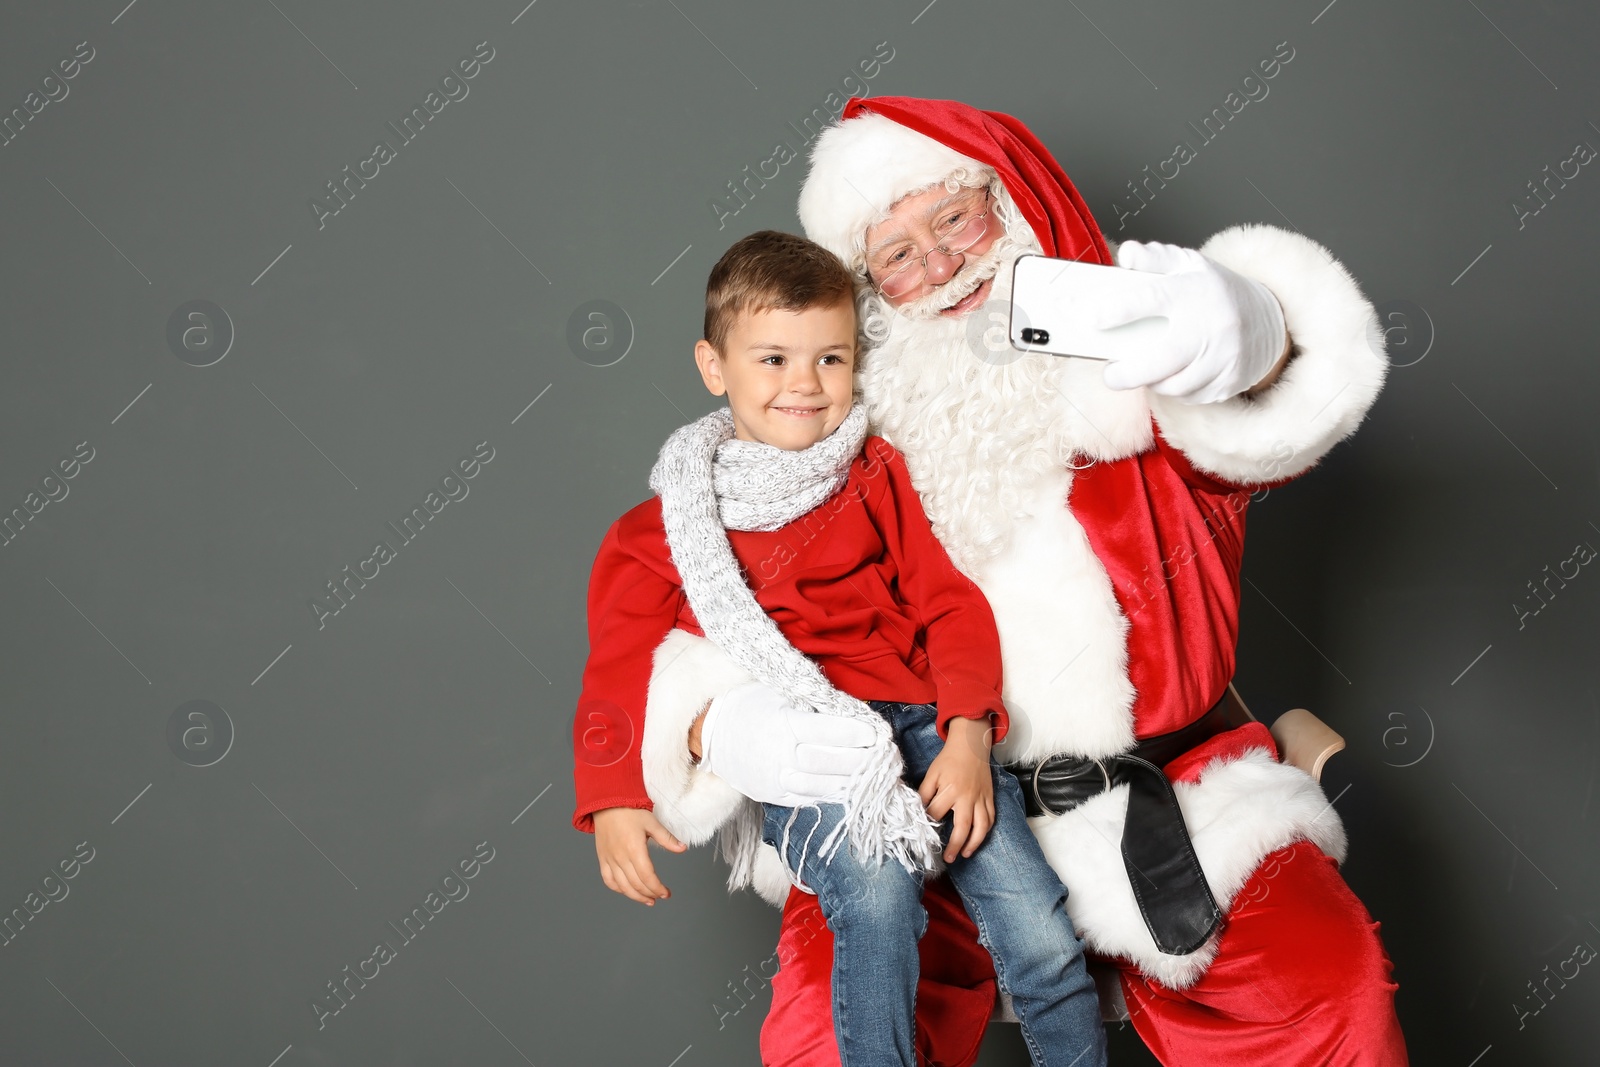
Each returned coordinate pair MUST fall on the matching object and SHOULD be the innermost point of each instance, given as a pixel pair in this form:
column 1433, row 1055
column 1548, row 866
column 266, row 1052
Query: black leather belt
column 1162, row 868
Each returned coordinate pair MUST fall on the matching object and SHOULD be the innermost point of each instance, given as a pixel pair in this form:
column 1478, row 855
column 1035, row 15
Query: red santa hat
column 886, row 147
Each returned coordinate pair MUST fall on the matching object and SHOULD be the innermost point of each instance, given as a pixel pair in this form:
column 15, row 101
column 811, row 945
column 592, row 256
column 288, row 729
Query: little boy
column 865, row 600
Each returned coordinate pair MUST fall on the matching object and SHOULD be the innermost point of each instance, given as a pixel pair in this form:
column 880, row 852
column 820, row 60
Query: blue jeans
column 875, row 912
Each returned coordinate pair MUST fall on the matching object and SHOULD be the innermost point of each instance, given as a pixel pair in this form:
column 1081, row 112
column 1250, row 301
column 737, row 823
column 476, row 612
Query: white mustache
column 963, row 283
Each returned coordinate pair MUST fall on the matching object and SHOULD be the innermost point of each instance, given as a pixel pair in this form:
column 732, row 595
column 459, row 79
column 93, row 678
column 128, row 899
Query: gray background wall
column 337, row 773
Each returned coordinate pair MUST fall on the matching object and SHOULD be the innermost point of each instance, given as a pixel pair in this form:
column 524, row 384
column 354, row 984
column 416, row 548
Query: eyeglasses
column 958, row 230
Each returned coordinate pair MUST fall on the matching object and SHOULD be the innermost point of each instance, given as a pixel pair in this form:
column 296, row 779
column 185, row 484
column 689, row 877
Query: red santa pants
column 1301, row 978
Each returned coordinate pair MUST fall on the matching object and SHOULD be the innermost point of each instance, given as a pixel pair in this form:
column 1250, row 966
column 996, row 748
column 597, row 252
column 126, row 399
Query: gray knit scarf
column 710, row 482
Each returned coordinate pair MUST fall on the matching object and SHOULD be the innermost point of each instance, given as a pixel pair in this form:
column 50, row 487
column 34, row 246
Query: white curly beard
column 979, row 422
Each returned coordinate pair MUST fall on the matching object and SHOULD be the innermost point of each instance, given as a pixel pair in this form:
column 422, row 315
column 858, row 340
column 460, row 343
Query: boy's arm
column 959, row 631
column 646, row 681
column 630, row 609
column 958, row 783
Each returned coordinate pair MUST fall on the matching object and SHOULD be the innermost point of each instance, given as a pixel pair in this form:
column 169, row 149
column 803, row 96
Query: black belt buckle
column 1084, row 768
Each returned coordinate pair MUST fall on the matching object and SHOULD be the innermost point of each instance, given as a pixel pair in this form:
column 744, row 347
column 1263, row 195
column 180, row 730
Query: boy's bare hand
column 958, row 782
column 621, row 838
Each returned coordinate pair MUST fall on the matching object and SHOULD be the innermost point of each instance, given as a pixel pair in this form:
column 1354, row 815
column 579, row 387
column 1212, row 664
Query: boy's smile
column 788, row 375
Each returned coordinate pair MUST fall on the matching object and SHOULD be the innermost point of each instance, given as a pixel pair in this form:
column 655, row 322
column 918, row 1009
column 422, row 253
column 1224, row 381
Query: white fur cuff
column 687, row 671
column 1324, row 391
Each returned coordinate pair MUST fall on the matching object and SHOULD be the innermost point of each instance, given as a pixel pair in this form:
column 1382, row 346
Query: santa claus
column 1100, row 508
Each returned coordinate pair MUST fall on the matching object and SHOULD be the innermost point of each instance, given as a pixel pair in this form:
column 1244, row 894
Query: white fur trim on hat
column 859, row 169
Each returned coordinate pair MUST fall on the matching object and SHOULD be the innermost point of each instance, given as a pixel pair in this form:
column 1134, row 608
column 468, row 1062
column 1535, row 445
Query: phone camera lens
column 1033, row 336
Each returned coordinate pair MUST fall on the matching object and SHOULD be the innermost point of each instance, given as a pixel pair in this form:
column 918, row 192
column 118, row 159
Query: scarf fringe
column 885, row 817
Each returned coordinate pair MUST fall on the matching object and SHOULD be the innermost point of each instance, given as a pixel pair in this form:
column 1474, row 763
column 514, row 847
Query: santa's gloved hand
column 1225, row 331
column 758, row 742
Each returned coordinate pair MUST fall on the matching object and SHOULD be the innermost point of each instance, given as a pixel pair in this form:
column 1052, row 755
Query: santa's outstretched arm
column 1286, row 419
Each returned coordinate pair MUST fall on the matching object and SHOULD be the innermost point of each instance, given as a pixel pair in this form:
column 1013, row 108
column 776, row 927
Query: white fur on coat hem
column 1063, row 637
column 1323, row 392
column 1237, row 813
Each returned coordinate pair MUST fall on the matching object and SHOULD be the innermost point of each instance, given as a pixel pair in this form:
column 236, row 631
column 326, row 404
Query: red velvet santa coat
column 1117, row 598
column 860, row 584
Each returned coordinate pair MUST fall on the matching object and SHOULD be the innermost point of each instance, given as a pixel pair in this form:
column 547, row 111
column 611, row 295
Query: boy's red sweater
column 860, row 584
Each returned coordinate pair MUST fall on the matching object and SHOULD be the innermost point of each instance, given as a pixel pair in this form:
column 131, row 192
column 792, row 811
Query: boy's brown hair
column 772, row 270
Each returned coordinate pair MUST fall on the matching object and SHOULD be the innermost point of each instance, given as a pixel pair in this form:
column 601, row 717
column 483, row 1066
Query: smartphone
column 1051, row 300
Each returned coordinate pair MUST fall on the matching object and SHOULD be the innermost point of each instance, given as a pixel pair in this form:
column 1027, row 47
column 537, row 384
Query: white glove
column 1224, row 333
column 758, row 742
